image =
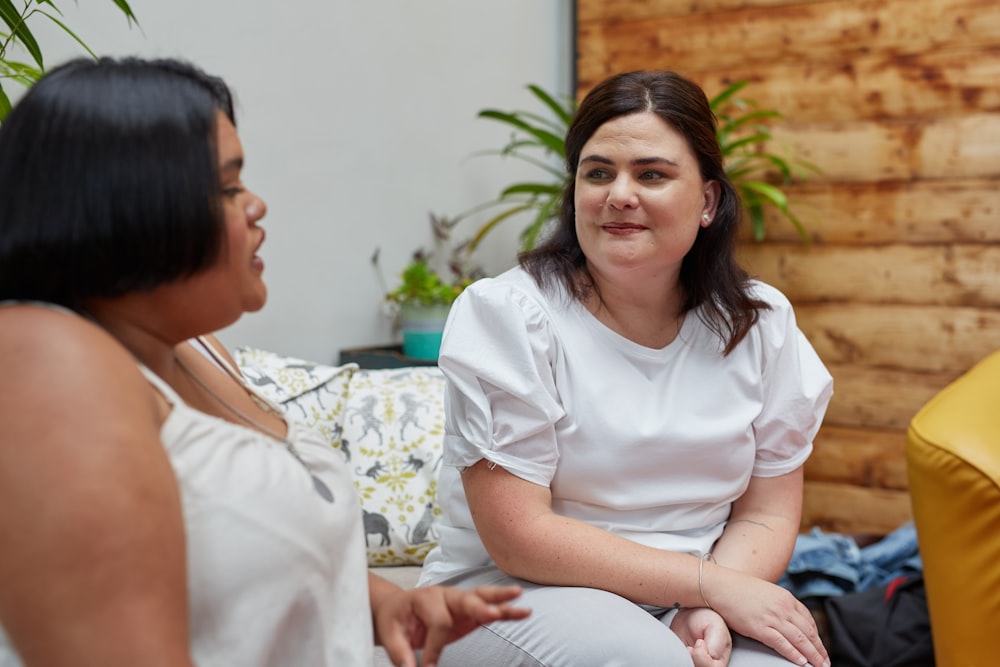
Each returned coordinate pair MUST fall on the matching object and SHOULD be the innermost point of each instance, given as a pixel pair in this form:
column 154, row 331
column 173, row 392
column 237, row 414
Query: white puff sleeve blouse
column 651, row 444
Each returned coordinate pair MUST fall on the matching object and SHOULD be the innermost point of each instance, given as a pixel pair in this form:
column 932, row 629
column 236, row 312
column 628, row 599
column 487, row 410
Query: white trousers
column 582, row 627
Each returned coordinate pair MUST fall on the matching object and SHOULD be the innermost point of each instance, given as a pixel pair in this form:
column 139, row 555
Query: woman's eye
column 597, row 174
column 650, row 175
column 233, row 191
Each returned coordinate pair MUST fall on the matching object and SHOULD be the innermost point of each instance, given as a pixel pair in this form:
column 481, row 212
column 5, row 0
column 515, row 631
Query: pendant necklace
column 321, row 488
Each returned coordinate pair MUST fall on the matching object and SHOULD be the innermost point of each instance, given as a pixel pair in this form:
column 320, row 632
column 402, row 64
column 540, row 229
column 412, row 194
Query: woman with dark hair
column 628, row 413
column 156, row 511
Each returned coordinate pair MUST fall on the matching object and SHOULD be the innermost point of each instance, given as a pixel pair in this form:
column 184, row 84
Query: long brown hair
column 710, row 275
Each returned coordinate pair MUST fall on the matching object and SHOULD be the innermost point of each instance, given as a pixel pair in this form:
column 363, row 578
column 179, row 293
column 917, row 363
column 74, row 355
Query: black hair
column 710, row 274
column 109, row 180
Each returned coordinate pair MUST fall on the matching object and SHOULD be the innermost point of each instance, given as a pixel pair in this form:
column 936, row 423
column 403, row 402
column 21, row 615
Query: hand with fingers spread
column 429, row 618
column 706, row 636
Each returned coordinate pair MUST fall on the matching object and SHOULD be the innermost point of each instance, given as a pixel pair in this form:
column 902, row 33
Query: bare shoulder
column 53, row 356
column 71, row 392
column 89, row 490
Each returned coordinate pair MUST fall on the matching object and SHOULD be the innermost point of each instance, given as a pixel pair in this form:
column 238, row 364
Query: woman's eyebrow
column 642, row 161
column 234, row 163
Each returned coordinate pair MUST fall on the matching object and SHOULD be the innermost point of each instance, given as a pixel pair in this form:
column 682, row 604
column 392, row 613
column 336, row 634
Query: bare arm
column 526, row 539
column 92, row 571
column 761, row 531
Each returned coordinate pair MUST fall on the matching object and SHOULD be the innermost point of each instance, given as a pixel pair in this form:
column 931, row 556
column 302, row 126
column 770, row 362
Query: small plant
column 419, row 283
column 20, row 35
column 432, row 278
column 742, row 133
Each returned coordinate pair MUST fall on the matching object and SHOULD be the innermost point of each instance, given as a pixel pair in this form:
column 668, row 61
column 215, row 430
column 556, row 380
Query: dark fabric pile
column 869, row 601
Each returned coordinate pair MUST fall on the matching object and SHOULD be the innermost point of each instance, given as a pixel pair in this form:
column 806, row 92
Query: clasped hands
column 768, row 613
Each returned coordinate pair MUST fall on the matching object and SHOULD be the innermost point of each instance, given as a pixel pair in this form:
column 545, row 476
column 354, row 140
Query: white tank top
column 277, row 576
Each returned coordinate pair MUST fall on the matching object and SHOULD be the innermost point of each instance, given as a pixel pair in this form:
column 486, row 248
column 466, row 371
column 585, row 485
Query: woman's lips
column 256, row 262
column 622, row 227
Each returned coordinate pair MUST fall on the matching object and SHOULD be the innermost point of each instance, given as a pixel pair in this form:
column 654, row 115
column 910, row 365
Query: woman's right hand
column 766, row 612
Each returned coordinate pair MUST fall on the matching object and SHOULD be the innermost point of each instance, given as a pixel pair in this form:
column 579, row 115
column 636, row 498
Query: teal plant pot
column 422, row 327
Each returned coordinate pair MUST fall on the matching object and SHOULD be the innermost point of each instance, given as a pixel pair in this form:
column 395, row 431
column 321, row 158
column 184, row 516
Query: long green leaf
column 563, row 112
column 781, row 165
column 746, row 141
column 517, row 143
column 23, row 73
column 557, row 172
column 720, row 100
column 485, row 228
column 532, row 189
column 757, row 220
column 19, row 30
column 543, row 122
column 551, row 141
column 734, row 124
column 773, row 194
column 69, row 32
column 4, row 104
column 127, row 10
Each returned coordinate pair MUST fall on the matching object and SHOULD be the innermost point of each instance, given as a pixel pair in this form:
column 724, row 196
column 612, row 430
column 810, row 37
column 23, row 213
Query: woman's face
column 242, row 210
column 235, row 280
column 640, row 199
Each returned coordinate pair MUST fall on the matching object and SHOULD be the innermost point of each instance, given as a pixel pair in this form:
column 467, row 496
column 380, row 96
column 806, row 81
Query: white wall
column 358, row 117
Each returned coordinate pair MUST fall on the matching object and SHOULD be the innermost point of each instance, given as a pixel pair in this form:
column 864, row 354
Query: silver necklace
column 321, row 488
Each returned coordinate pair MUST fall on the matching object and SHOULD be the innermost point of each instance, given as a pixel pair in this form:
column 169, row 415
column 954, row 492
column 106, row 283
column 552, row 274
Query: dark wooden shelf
column 381, row 356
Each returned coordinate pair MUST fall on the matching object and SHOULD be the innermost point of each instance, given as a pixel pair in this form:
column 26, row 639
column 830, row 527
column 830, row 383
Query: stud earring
column 704, row 216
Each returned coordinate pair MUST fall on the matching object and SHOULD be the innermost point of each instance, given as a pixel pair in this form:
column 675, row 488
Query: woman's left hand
column 706, row 636
column 428, row 618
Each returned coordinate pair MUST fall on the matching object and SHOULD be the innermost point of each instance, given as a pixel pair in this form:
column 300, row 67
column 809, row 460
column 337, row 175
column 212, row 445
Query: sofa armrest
column 953, row 464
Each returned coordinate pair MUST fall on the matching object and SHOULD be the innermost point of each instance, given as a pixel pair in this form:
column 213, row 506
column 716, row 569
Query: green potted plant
column 538, row 139
column 21, row 37
column 757, row 173
column 428, row 285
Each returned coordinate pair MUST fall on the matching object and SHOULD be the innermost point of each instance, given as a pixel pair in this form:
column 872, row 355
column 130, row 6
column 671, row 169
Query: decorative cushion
column 388, row 424
column 393, row 429
column 311, row 393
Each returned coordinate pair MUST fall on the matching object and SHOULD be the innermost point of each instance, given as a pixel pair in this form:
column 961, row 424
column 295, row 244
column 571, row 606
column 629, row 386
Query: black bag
column 885, row 626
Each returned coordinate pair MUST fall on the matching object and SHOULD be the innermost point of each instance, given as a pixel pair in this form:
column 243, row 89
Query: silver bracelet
column 701, row 573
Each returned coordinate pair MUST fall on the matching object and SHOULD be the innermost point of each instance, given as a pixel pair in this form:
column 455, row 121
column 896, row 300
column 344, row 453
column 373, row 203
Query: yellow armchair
column 953, row 464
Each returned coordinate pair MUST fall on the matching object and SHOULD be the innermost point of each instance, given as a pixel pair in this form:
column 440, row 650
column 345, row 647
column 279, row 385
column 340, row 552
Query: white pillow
column 393, row 433
column 311, row 393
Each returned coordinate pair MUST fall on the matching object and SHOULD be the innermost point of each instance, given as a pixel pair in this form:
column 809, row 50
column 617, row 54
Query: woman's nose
column 622, row 194
column 256, row 208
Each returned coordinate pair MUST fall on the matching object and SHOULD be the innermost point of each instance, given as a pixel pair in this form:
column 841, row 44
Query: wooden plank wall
column 898, row 102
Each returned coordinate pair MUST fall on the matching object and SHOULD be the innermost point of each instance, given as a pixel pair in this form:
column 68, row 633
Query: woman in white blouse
column 628, row 414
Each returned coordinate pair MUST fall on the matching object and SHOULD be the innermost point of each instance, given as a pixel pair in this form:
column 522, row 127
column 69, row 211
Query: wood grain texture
column 854, row 510
column 922, row 339
column 589, row 11
column 951, row 147
column 933, row 275
column 818, row 32
column 862, row 457
column 870, row 87
column 880, row 398
column 892, row 212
